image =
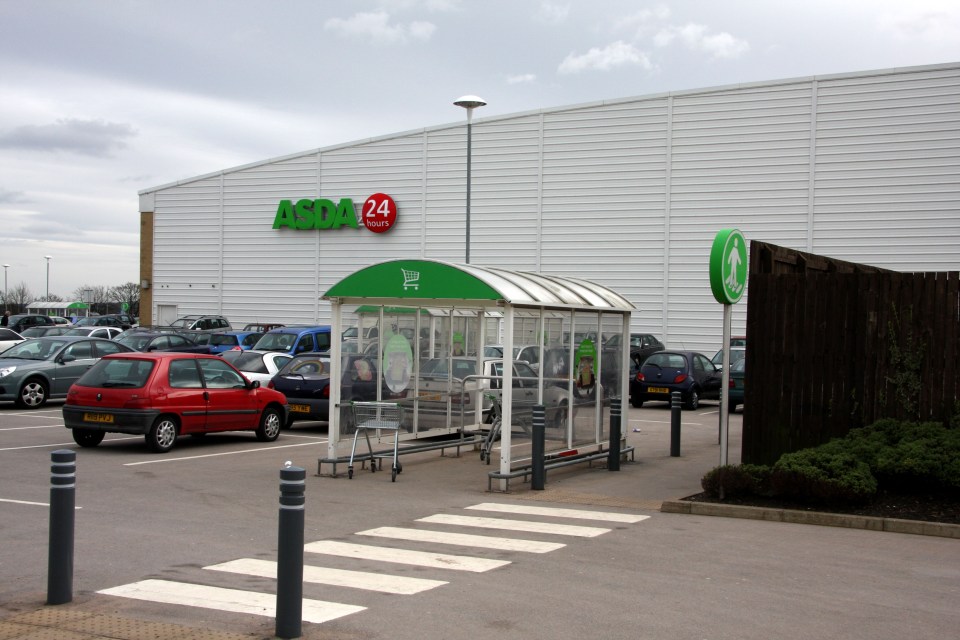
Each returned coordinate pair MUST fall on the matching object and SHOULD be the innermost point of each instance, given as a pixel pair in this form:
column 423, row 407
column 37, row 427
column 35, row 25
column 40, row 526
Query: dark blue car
column 662, row 373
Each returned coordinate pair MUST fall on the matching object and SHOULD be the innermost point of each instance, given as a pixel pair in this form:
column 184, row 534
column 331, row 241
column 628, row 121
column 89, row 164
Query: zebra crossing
column 319, row 611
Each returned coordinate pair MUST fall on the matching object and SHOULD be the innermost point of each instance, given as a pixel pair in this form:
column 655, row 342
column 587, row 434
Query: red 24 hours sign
column 379, row 213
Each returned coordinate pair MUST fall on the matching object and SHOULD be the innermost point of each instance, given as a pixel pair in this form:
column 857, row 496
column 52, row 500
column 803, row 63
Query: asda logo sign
column 379, row 213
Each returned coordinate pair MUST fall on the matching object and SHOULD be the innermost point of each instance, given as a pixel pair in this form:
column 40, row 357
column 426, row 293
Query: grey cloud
column 12, row 197
column 86, row 137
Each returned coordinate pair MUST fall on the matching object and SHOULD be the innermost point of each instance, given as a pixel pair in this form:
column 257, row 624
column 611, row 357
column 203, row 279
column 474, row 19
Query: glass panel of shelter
column 400, row 341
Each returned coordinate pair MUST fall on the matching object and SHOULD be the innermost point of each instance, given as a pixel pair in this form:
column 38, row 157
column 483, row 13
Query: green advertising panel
column 420, row 279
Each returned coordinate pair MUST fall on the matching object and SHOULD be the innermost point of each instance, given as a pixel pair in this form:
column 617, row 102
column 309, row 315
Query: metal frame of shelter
column 435, row 289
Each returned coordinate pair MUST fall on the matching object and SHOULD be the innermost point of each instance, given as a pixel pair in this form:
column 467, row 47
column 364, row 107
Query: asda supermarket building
column 629, row 194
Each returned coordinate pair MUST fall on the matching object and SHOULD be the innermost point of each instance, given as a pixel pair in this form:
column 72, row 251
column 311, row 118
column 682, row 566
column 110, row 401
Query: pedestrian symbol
column 728, row 266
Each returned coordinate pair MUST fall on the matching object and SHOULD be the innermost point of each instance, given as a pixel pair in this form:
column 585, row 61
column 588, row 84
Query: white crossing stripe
column 337, row 577
column 559, row 513
column 404, row 556
column 196, row 595
column 463, row 539
column 516, row 525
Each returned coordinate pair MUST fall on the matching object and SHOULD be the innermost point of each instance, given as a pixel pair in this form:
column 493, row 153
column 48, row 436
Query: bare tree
column 128, row 293
column 50, row 298
column 99, row 297
column 20, row 297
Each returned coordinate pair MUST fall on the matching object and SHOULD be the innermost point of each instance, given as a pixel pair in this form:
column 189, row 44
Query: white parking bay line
column 336, row 577
column 580, row 514
column 404, row 556
column 516, row 525
column 223, row 453
column 197, row 595
column 463, row 539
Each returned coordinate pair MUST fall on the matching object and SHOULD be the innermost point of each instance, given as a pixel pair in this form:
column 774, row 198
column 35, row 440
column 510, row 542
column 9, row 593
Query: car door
column 72, row 363
column 524, row 391
column 230, row 404
column 707, row 376
column 186, row 396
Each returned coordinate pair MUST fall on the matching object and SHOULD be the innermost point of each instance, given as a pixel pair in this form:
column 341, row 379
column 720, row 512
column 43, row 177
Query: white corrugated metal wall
column 629, row 193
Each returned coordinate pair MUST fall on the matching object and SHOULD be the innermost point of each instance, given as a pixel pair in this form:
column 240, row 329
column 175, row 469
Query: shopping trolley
column 411, row 280
column 380, row 416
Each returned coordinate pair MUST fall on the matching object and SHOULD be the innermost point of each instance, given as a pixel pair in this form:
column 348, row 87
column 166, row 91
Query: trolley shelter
column 435, row 337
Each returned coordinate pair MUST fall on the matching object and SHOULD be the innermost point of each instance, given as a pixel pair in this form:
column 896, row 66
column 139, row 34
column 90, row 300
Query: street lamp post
column 469, row 103
column 48, row 258
column 6, row 301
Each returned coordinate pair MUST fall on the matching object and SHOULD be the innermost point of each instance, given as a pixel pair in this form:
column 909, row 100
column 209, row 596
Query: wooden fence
column 835, row 345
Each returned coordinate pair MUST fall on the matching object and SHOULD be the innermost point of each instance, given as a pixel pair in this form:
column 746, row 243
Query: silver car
column 39, row 369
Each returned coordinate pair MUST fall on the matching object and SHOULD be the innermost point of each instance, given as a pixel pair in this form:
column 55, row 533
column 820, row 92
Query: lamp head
column 470, row 102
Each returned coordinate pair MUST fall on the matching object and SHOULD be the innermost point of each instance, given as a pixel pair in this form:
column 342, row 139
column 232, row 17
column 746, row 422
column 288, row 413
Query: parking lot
column 170, row 519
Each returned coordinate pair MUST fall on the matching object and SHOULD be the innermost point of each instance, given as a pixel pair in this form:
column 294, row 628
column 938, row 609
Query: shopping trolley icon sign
column 411, row 279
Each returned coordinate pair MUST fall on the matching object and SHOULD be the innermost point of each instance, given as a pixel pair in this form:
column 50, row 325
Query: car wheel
column 635, row 401
column 560, row 417
column 693, row 400
column 269, row 427
column 88, row 437
column 347, row 420
column 33, row 394
column 162, row 435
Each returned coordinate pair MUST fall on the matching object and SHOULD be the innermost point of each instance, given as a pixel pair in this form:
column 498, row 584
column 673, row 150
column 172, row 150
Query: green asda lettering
column 316, row 214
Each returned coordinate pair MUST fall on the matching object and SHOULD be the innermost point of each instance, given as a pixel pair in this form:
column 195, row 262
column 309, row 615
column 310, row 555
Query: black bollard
column 63, row 499
column 613, row 456
column 290, row 552
column 675, row 408
column 538, row 471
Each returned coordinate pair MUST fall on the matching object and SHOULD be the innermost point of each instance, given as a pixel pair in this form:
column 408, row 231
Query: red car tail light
column 326, row 391
column 639, row 377
column 270, row 385
column 680, row 378
column 732, row 385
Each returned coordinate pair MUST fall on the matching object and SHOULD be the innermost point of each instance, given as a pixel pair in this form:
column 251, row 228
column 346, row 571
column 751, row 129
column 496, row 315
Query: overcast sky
column 101, row 99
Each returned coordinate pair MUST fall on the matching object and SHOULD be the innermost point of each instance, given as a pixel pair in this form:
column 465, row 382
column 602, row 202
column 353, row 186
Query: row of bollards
column 289, row 610
column 538, row 473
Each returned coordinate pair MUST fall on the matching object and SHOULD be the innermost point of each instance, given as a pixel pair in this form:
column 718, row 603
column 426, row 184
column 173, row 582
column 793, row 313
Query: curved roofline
column 548, row 110
column 426, row 282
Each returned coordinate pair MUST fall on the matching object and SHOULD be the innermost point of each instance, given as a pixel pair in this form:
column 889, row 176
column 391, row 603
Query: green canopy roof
column 431, row 281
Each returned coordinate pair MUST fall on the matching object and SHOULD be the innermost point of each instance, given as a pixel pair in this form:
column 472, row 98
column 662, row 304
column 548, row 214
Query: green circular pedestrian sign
column 124, row 307
column 728, row 266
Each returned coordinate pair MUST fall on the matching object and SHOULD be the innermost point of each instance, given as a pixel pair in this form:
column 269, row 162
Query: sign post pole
column 728, row 281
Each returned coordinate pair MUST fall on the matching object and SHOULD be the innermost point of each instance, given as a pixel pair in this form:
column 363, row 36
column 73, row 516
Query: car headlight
column 7, row 371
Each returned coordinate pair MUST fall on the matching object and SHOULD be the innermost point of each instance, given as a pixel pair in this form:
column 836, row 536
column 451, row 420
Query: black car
column 689, row 372
column 113, row 320
column 20, row 321
column 305, row 381
column 151, row 341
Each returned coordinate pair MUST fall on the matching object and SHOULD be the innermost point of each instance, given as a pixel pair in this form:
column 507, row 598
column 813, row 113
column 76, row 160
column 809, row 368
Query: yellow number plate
column 657, row 390
column 300, row 408
column 429, row 397
column 103, row 418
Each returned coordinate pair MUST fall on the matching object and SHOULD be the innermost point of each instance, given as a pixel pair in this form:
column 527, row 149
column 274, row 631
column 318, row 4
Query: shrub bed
column 888, row 455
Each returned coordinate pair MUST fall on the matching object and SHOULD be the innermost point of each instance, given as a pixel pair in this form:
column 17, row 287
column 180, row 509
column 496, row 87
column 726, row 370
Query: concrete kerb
column 895, row 525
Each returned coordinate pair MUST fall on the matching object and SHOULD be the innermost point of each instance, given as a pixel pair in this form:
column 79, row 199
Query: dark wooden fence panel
column 836, row 345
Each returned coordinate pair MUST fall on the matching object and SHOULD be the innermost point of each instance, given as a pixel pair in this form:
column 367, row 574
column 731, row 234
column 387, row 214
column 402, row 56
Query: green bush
column 889, row 453
column 823, row 475
column 737, row 480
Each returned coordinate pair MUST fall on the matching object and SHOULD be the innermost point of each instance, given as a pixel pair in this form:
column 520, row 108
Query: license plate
column 102, row 418
column 429, row 397
column 300, row 408
column 657, row 390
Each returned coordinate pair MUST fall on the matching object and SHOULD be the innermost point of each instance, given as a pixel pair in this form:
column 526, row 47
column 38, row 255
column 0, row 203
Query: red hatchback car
column 163, row 395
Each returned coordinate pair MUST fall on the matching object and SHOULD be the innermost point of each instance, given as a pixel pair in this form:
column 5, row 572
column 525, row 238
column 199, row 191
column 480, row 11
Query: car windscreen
column 307, row 367
column 276, row 342
column 136, row 341
column 221, row 340
column 672, row 360
column 245, row 361
column 120, row 372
